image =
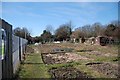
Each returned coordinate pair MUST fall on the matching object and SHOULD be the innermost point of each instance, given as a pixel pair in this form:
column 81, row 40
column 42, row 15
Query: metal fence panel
column 15, row 43
column 14, row 47
column 18, row 51
column 21, row 48
column 23, row 43
column 15, row 52
column 7, row 66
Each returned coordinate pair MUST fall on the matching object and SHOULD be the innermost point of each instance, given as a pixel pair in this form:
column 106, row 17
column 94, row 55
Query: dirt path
column 33, row 67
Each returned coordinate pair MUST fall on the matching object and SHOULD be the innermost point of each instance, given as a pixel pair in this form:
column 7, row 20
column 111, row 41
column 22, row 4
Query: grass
column 98, row 58
column 89, row 71
column 33, row 67
column 70, row 64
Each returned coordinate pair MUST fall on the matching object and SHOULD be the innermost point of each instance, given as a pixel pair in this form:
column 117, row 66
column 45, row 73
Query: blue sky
column 60, row 0
column 37, row 15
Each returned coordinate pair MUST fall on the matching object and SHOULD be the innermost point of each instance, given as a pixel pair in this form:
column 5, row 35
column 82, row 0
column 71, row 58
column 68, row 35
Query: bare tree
column 97, row 29
column 21, row 32
column 46, row 36
column 63, row 32
column 77, row 34
column 49, row 28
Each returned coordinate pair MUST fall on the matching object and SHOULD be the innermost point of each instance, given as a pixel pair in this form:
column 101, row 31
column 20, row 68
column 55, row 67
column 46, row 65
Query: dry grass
column 96, row 52
column 105, row 49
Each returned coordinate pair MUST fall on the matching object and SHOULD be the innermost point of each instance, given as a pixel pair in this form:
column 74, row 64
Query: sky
column 37, row 15
column 60, row 0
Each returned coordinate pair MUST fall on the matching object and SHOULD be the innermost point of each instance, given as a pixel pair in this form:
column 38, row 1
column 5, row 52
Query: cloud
column 18, row 11
column 77, row 10
column 59, row 10
column 60, row 0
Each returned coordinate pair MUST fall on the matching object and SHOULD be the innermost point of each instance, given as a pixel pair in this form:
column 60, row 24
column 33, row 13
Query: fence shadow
column 33, row 63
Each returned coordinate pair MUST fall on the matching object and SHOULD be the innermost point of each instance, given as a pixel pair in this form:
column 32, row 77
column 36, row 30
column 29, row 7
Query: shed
column 102, row 40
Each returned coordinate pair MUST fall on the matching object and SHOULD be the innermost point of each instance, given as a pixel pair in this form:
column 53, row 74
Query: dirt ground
column 94, row 60
column 29, row 49
column 67, row 72
column 62, row 58
column 106, row 68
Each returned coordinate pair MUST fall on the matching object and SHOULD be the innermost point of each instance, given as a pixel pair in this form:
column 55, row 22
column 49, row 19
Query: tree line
column 65, row 32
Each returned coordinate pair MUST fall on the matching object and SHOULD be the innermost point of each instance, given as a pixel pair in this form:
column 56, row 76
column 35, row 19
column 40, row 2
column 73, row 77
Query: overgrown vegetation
column 34, row 67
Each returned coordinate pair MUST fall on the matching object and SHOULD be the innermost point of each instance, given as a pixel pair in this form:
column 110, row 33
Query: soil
column 111, row 70
column 62, row 50
column 29, row 49
column 98, row 53
column 66, row 73
column 61, row 58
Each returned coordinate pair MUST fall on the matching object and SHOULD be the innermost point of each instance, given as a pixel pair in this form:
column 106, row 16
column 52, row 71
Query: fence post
column 7, row 63
column 0, row 52
column 20, row 49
